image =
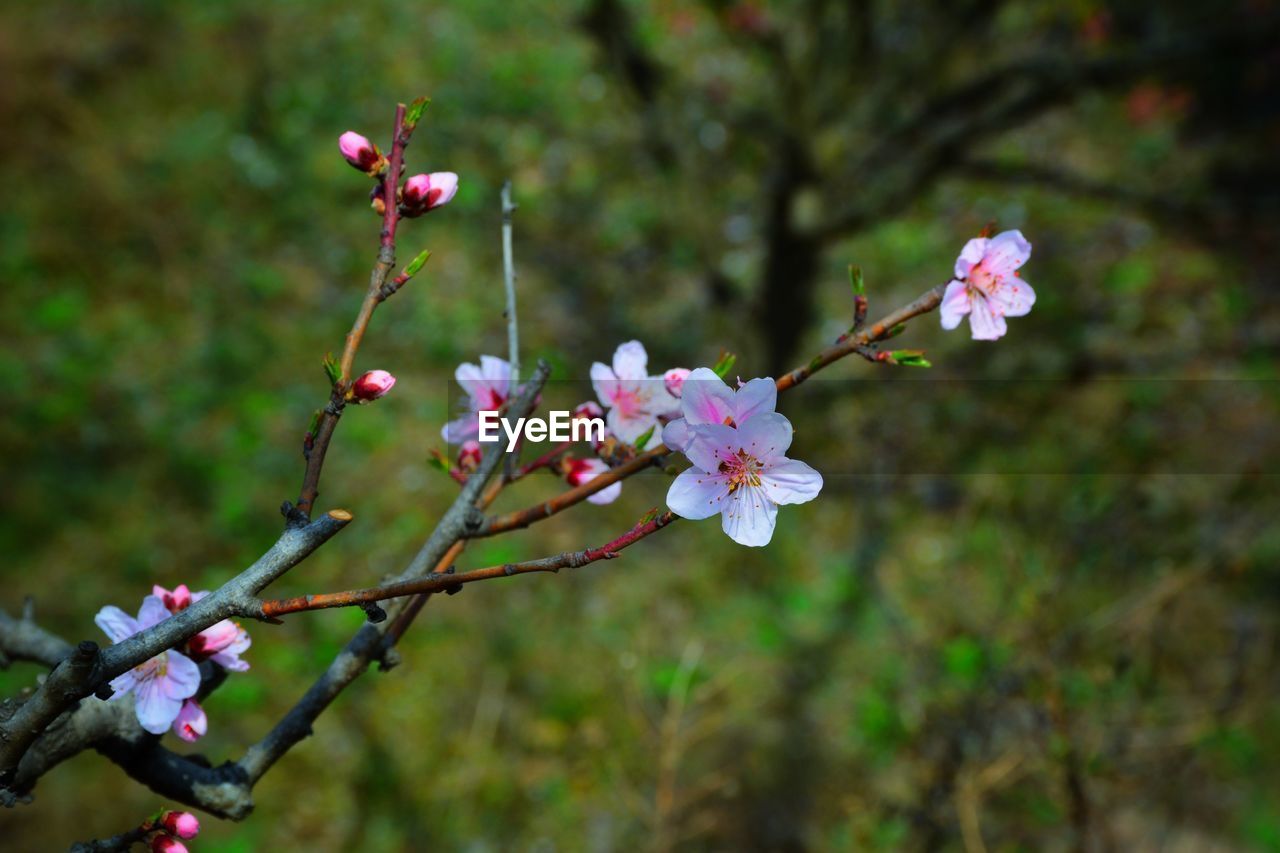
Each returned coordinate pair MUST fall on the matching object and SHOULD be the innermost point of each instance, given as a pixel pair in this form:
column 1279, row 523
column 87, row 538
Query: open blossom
column 222, row 642
column 373, row 385
column 487, row 387
column 635, row 399
column 427, row 192
column 744, row 475
column 360, row 152
column 579, row 471
column 191, row 724
column 987, row 286
column 159, row 685
column 706, row 399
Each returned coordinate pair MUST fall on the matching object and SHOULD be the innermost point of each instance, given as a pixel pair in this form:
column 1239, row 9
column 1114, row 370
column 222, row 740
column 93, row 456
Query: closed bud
column 163, row 843
column 427, row 192
column 674, row 379
column 191, row 724
column 361, row 153
column 177, row 599
column 469, row 456
column 371, row 386
column 181, row 824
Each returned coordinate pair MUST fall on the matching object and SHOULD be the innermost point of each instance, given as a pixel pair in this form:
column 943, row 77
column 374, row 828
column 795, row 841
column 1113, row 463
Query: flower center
column 982, row 280
column 156, row 667
column 627, row 402
column 742, row 469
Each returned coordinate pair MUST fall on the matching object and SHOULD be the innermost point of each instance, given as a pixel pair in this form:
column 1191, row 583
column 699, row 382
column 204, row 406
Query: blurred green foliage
column 1030, row 616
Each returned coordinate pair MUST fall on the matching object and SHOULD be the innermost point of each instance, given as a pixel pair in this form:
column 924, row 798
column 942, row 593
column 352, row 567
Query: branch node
column 375, row 613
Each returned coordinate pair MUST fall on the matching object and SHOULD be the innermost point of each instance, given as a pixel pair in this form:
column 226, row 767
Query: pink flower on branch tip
column 635, row 399
column 487, row 387
column 427, row 192
column 579, row 471
column 744, row 475
column 987, row 286
column 181, row 824
column 372, row 385
column 706, row 399
column 191, row 724
column 361, row 153
column 160, row 684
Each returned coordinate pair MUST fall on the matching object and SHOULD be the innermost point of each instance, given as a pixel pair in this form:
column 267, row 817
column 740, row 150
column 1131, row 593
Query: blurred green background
column 1021, row 616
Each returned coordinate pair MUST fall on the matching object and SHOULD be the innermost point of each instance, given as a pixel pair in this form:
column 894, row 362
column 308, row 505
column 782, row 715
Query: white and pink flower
column 706, row 399
column 160, row 684
column 743, row 474
column 635, row 399
column 579, row 471
column 987, row 286
column 488, row 387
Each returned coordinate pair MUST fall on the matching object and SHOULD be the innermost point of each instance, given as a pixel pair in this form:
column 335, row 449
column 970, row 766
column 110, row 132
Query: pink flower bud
column 469, row 456
column 360, row 152
column 178, row 599
column 191, row 724
column 674, row 378
column 167, row 844
column 426, row 192
column 374, row 384
column 181, row 824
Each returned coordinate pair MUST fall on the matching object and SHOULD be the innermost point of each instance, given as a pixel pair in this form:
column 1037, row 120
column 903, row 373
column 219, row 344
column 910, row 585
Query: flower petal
column 1014, row 297
column 115, row 623
column 790, row 481
column 123, row 683
column 192, row 723
column 182, row 676
column 469, row 376
column 461, row 429
column 986, row 324
column 155, row 710
column 675, row 435
column 710, row 444
column 629, row 428
column 756, row 397
column 630, row 361
column 766, row 436
column 695, row 494
column 496, row 372
column 954, row 305
column 706, row 399
column 152, row 612
column 607, row 495
column 1006, row 252
column 749, row 517
column 970, row 256
column 605, row 383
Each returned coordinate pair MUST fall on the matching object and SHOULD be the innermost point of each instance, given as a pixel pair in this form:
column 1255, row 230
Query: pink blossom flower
column 372, row 385
column 706, row 399
column 580, row 471
column 159, row 684
column 487, row 387
column 744, row 475
column 360, row 152
column 589, row 410
column 674, row 379
column 191, row 724
column 427, row 192
column 987, row 286
column 181, row 824
column 177, row 599
column 634, row 399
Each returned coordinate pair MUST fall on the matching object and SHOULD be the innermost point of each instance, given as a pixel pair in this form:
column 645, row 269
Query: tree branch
column 513, row 324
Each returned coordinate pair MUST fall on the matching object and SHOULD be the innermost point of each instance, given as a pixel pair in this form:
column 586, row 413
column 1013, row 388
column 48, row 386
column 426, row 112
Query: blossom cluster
column 164, row 686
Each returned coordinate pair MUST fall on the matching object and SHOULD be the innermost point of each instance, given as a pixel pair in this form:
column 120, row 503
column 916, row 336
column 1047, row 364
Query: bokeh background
column 1034, row 608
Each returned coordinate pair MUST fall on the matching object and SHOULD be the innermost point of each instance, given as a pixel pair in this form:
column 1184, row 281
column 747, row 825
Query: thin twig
column 513, row 324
